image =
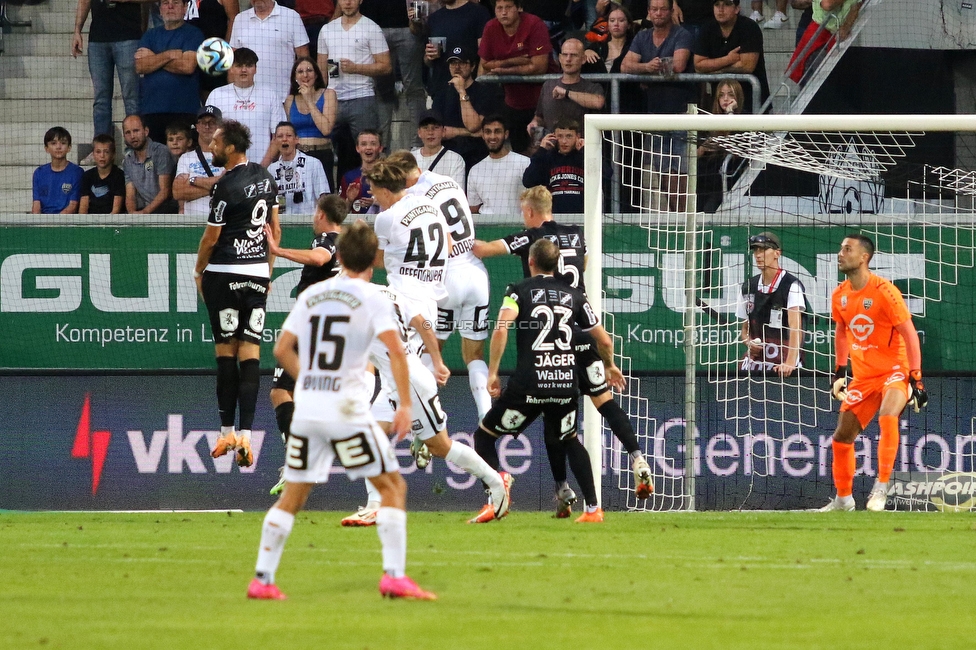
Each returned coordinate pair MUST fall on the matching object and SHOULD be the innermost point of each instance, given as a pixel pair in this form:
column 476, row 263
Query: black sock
column 557, row 455
column 579, row 462
column 283, row 414
column 484, row 444
column 619, row 423
column 228, row 379
column 247, row 391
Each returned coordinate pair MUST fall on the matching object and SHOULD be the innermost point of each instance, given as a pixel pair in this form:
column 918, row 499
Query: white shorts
column 361, row 447
column 466, row 307
column 428, row 416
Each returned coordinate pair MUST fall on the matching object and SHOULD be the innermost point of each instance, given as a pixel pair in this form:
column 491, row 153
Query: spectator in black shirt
column 558, row 166
column 462, row 104
column 732, row 44
column 103, row 186
column 461, row 23
column 113, row 39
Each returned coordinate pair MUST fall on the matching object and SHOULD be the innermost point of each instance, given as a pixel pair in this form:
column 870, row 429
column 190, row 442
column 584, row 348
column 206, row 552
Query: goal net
column 726, row 424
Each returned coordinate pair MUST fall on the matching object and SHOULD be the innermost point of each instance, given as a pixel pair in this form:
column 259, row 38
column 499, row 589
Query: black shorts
column 589, row 365
column 236, row 305
column 281, row 380
column 513, row 412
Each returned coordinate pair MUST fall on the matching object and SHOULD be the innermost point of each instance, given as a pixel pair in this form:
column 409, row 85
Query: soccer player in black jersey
column 232, row 272
column 537, row 215
column 320, row 264
column 544, row 313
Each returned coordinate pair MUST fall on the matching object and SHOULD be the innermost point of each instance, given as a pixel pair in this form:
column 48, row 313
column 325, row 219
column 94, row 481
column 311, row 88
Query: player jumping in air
column 545, row 313
column 320, row 264
column 465, row 307
column 539, row 223
column 430, row 426
column 232, row 272
column 874, row 330
column 324, row 344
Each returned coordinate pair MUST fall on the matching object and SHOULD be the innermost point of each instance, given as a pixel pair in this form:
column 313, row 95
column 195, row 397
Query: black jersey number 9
column 417, row 246
column 454, row 214
column 328, row 336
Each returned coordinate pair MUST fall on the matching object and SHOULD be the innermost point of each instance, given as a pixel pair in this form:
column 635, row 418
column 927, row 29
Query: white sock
column 245, row 435
column 478, row 380
column 468, row 459
column 373, row 497
column 391, row 526
column 225, row 430
column 636, row 455
column 277, row 526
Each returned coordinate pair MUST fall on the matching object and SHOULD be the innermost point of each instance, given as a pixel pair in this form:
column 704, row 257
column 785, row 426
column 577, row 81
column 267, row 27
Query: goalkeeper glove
column 919, row 397
column 839, row 387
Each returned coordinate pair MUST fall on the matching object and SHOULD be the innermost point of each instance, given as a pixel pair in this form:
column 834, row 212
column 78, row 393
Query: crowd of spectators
column 317, row 85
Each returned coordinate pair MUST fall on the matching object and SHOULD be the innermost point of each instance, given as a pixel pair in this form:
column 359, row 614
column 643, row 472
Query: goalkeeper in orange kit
column 875, row 331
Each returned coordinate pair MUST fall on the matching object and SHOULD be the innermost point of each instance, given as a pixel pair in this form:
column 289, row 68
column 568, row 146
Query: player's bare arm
column 918, row 396
column 604, row 345
column 308, row 257
column 286, row 352
column 912, row 346
column 379, row 262
column 483, row 249
column 499, row 339
column 275, row 237
column 207, row 243
column 426, row 331
column 403, row 417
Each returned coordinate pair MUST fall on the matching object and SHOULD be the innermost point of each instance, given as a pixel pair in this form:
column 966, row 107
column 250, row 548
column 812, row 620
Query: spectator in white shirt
column 433, row 156
column 300, row 178
column 277, row 35
column 353, row 51
column 195, row 172
column 495, row 183
column 257, row 107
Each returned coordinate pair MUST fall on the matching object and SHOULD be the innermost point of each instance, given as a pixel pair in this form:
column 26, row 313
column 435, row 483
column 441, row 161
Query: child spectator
column 57, row 185
column 103, row 186
column 179, row 140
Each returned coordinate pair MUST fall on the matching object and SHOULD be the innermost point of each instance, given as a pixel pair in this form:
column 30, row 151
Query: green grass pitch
column 699, row 580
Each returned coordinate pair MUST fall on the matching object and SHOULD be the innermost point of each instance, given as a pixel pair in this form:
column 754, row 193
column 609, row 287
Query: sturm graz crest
column 512, row 419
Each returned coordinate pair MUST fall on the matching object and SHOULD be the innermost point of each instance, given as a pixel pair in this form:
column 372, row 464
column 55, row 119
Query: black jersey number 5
column 328, row 336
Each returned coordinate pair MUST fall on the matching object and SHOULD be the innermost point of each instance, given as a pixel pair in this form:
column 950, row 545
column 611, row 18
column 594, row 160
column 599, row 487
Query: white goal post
column 770, row 144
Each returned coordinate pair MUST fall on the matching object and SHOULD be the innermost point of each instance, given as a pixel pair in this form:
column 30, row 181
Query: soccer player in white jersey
column 414, row 239
column 324, row 344
column 430, row 425
column 465, row 307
